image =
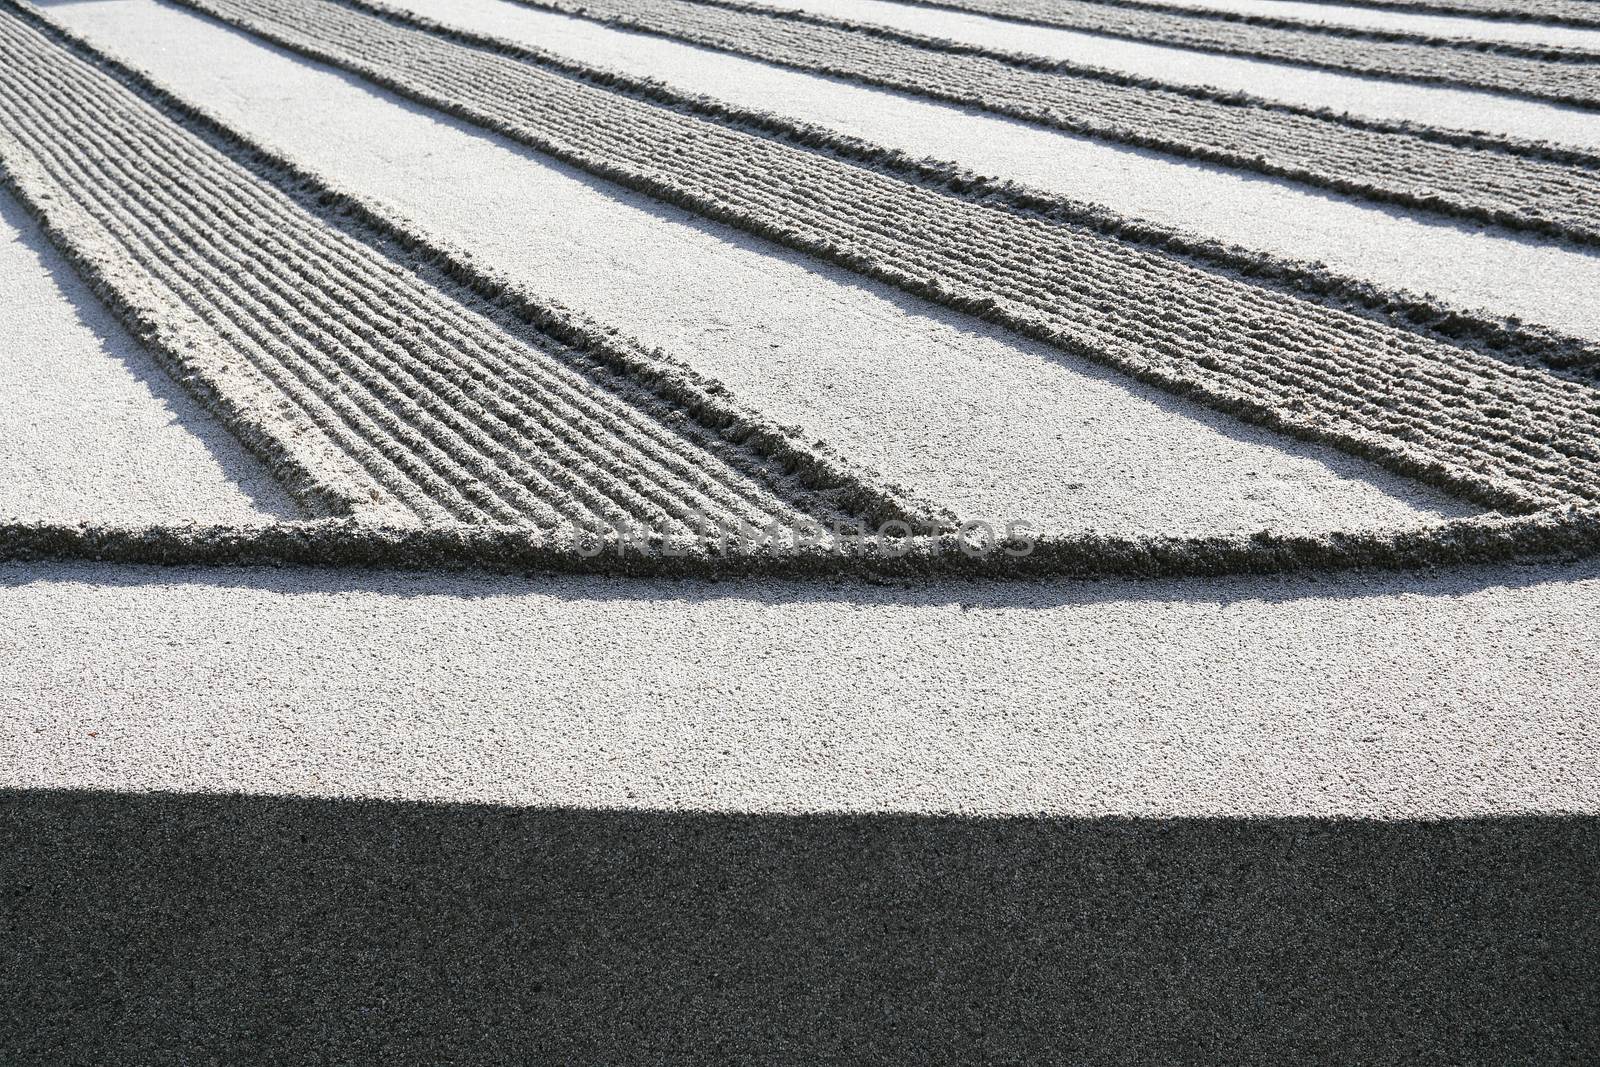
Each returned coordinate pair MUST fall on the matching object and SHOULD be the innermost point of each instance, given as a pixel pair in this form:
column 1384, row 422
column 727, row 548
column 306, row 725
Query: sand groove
column 1301, row 21
column 1520, row 185
column 1504, row 435
column 1554, row 12
column 1561, row 75
column 370, row 388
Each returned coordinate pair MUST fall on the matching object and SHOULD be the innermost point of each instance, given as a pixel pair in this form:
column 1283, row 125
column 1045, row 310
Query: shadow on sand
column 168, row 928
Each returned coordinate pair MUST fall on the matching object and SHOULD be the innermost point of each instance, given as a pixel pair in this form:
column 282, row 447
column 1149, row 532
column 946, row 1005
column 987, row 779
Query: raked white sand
column 1470, row 265
column 1457, row 27
column 91, row 428
column 1371, row 97
column 961, row 412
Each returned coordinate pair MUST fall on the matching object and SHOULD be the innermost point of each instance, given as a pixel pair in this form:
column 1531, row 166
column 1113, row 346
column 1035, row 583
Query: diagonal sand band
column 1499, row 435
column 996, row 427
column 1509, row 336
column 1457, row 174
column 1476, row 65
column 1549, row 12
column 1538, row 283
column 364, row 367
column 92, row 429
column 1416, row 22
column 1319, row 90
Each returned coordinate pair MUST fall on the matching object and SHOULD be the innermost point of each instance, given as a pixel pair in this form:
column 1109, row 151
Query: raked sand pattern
column 1563, row 75
column 529, row 532
column 369, row 388
column 1501, row 434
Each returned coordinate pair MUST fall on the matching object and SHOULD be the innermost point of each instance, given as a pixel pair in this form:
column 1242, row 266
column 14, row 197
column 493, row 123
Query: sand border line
column 1570, row 533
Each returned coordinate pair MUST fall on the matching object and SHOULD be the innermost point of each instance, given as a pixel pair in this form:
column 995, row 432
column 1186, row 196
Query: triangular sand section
column 92, row 429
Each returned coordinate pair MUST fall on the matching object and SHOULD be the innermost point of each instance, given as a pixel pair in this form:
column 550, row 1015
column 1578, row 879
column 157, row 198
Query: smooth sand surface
column 91, row 428
column 1370, row 97
column 960, row 412
column 1424, row 696
column 1467, row 264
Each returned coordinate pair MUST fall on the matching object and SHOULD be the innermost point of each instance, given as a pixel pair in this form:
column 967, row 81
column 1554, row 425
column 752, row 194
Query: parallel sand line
column 1335, row 93
column 490, row 427
column 1426, row 313
column 1269, row 17
column 1505, row 436
column 1455, row 27
column 1514, row 69
column 1554, row 12
column 1521, row 185
column 1558, row 533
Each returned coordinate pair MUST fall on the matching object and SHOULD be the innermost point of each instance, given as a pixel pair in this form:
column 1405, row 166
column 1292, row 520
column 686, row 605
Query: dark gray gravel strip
column 1034, row 13
column 1513, row 339
column 890, row 554
column 1552, row 12
column 1526, row 186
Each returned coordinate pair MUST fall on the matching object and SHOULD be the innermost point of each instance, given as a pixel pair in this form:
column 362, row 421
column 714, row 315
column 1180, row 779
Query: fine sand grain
column 1384, row 696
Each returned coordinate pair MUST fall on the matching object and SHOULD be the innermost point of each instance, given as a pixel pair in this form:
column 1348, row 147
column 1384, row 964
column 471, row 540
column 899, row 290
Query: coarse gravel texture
column 1498, row 435
column 1373, row 98
column 92, row 429
column 1456, row 173
column 1555, row 74
column 960, row 412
